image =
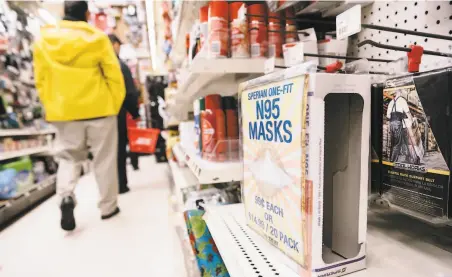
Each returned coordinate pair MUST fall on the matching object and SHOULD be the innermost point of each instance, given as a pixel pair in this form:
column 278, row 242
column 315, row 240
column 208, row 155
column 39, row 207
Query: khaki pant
column 74, row 140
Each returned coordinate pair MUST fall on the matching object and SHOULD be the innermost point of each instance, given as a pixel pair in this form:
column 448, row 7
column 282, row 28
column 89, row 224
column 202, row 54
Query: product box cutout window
column 305, row 140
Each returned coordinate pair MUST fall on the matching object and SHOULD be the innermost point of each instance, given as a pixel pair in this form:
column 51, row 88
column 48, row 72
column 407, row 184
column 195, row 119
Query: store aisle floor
column 141, row 241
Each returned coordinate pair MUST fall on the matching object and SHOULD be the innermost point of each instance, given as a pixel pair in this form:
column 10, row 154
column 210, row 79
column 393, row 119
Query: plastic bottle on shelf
column 291, row 27
column 258, row 30
column 203, row 25
column 275, row 35
column 232, row 126
column 240, row 44
column 218, row 30
column 213, row 129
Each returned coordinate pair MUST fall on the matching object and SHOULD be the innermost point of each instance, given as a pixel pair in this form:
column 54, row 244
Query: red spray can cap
column 257, row 9
column 218, row 9
column 213, row 102
column 234, row 10
column 290, row 13
column 271, row 16
column 204, row 14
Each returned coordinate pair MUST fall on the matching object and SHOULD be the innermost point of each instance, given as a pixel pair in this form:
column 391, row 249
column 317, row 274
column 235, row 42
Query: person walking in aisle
column 79, row 81
column 130, row 105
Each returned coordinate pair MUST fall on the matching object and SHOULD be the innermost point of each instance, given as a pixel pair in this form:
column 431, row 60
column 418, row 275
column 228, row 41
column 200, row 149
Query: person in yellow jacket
column 80, row 84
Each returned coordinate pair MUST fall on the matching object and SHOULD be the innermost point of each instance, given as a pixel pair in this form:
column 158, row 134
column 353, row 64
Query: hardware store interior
column 225, row 138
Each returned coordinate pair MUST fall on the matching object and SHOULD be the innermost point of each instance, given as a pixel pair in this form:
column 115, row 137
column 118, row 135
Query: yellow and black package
column 417, row 142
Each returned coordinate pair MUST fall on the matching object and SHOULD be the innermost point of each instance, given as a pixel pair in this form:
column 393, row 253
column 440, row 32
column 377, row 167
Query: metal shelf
column 397, row 245
column 24, row 152
column 12, row 207
column 26, row 132
column 209, row 172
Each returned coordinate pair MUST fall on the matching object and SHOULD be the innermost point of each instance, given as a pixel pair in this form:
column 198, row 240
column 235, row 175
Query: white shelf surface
column 183, row 177
column 397, row 245
column 26, row 132
column 208, row 172
column 244, row 252
column 24, row 152
column 222, row 76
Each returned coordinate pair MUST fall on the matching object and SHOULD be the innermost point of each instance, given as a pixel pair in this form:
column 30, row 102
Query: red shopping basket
column 131, row 123
column 143, row 140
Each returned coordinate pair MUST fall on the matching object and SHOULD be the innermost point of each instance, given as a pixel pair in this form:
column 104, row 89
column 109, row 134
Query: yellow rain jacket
column 77, row 73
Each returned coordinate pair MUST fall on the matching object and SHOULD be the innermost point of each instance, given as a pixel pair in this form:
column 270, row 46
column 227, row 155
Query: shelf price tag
column 269, row 65
column 348, row 23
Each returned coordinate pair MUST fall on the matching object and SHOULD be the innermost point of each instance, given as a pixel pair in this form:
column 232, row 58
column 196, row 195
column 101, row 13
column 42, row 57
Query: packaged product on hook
column 417, row 143
column 305, row 140
column 294, row 51
column 309, row 39
column 332, row 47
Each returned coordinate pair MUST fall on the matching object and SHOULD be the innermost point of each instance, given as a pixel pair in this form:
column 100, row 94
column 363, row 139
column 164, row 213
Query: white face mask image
column 269, row 177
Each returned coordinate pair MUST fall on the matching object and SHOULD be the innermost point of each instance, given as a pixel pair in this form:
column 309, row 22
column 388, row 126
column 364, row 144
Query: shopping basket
column 143, row 140
column 130, row 121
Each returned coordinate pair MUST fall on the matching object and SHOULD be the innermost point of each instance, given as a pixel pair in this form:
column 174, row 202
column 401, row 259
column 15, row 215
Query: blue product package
column 8, row 185
column 207, row 255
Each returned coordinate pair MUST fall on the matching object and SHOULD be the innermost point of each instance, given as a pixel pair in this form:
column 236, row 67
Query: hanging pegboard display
column 433, row 17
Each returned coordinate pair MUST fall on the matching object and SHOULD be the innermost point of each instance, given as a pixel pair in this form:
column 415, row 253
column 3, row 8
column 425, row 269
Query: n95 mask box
column 305, row 146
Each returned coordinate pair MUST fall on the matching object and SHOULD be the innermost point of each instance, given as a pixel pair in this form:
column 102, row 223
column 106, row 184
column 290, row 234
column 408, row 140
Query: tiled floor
column 141, row 241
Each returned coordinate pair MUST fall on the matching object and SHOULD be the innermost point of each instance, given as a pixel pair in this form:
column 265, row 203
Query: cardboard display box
column 306, row 160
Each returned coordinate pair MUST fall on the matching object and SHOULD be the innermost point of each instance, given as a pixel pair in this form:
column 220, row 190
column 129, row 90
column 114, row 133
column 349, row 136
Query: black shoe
column 67, row 213
column 123, row 190
column 110, row 215
column 136, row 168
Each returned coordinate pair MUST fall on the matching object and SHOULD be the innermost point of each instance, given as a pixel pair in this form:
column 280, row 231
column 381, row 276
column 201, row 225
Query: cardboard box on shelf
column 305, row 140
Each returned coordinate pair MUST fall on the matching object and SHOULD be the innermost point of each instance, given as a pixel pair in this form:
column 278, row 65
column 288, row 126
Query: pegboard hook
column 414, row 58
column 403, row 49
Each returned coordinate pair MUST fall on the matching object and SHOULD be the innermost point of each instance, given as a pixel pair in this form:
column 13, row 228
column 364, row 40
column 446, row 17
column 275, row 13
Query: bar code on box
column 255, row 50
column 215, row 47
column 342, row 30
column 271, row 50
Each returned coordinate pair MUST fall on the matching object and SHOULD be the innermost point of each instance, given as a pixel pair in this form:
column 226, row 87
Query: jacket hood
column 63, row 43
